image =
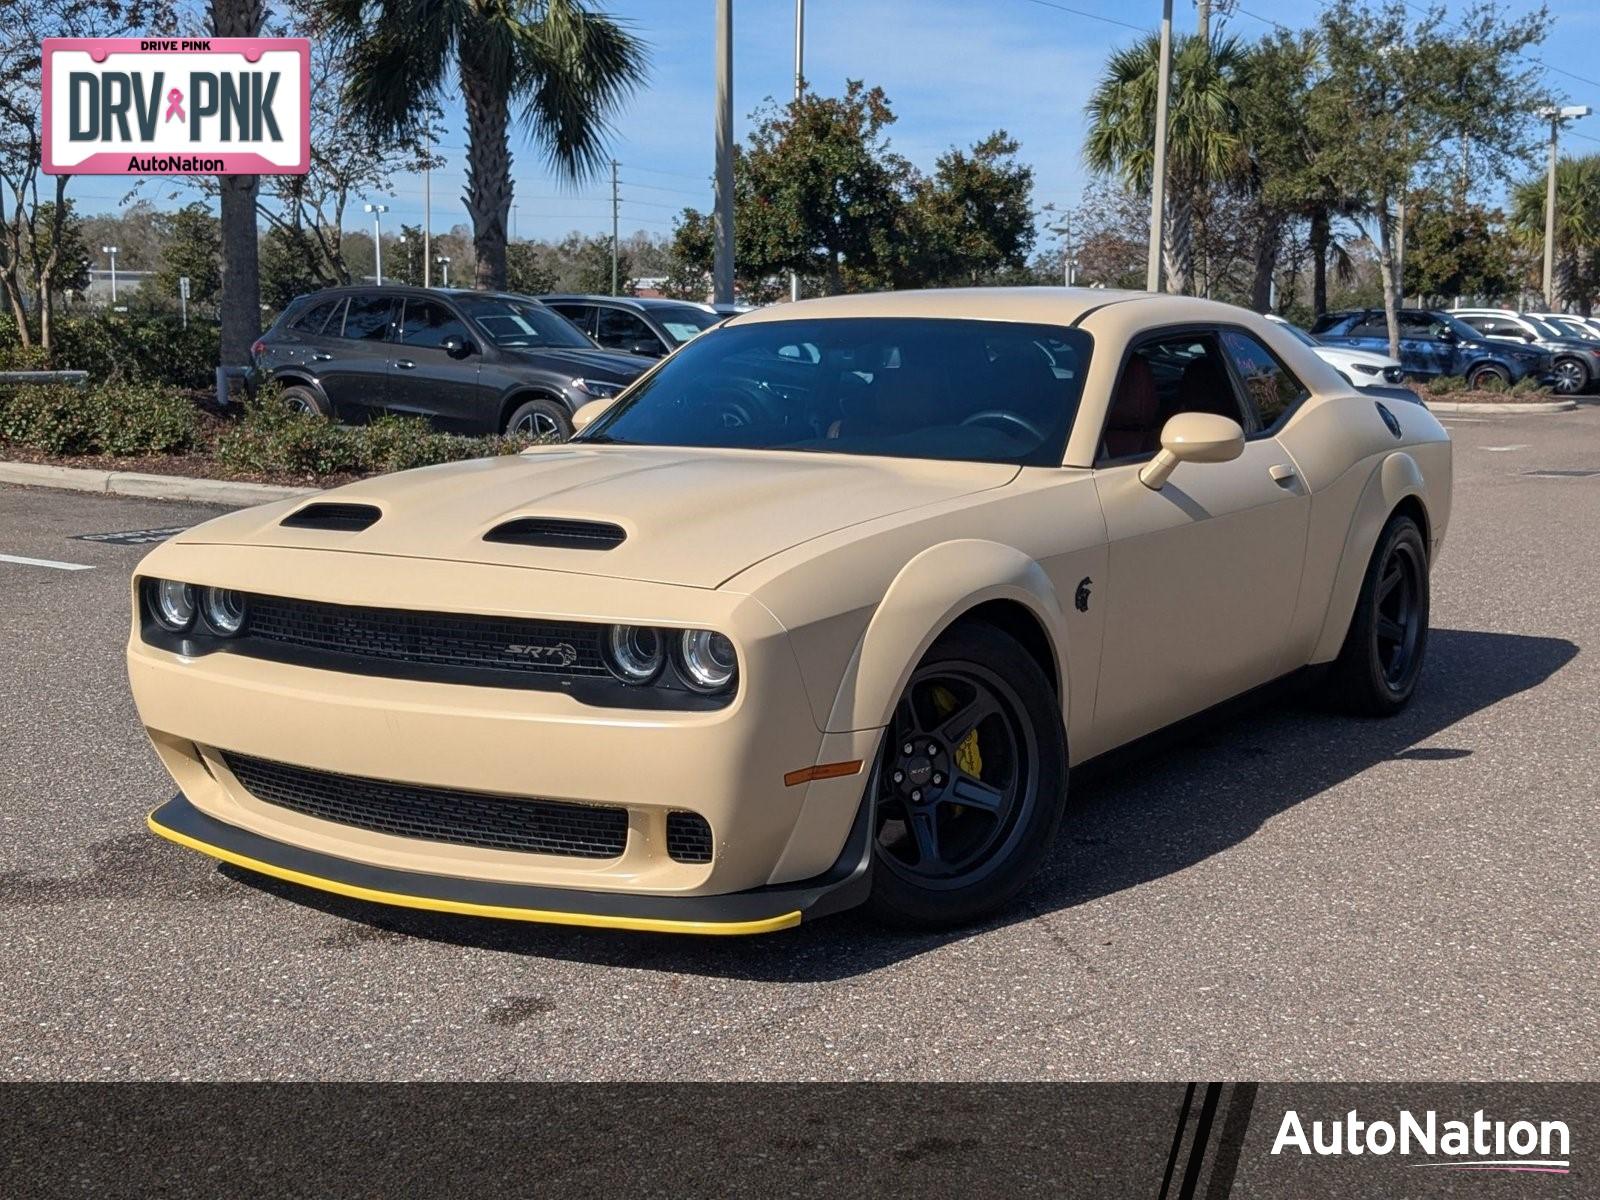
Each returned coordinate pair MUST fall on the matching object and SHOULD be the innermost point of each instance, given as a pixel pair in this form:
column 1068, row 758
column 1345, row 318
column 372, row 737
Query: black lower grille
column 437, row 814
column 688, row 838
column 529, row 647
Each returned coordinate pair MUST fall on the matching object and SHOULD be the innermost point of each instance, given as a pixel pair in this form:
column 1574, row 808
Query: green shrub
column 1492, row 384
column 392, row 443
column 117, row 347
column 1443, row 385
column 273, row 437
column 122, row 419
column 1529, row 385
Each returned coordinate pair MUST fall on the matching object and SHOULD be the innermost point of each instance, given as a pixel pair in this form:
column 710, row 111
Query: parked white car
column 1574, row 356
column 1573, row 325
column 1359, row 367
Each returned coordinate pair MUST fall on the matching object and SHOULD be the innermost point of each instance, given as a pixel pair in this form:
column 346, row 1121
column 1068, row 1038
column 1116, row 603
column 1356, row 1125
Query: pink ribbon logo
column 175, row 105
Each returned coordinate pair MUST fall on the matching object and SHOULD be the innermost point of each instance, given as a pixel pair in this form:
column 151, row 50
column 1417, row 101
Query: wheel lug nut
column 899, row 776
column 933, row 748
column 909, row 748
column 916, row 796
column 938, row 780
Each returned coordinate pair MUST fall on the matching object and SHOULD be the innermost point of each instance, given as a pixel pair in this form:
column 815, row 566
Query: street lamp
column 1158, row 172
column 112, row 251
column 377, row 211
column 799, row 90
column 444, row 264
column 1555, row 115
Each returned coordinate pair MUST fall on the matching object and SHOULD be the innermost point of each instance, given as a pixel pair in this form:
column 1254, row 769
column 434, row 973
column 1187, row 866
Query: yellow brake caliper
column 968, row 758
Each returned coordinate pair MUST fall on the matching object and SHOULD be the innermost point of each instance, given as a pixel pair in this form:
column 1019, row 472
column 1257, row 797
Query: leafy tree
column 288, row 267
column 527, row 270
column 1205, row 144
column 1577, row 259
column 193, row 248
column 1400, row 89
column 565, row 67
column 64, row 242
column 592, row 269
column 1456, row 248
column 972, row 220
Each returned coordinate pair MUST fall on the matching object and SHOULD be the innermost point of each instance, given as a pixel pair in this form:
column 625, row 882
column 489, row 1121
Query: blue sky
column 953, row 70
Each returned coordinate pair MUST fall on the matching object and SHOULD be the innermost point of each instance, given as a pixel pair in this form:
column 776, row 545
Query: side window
column 580, row 315
column 619, row 330
column 1269, row 386
column 1370, row 327
column 368, row 318
column 428, row 323
column 316, row 316
column 1163, row 377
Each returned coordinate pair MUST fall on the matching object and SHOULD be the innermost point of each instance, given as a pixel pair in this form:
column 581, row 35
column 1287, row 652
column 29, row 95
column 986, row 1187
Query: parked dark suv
column 1434, row 343
column 638, row 325
column 471, row 362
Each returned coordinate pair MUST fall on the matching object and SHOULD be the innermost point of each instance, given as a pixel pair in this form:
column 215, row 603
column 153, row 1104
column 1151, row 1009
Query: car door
column 1425, row 342
column 619, row 329
column 581, row 315
column 355, row 374
column 1202, row 574
column 427, row 380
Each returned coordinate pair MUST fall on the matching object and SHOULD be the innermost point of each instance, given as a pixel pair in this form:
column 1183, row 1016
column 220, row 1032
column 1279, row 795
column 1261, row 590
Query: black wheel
column 1478, row 381
column 303, row 399
column 544, row 420
column 970, row 783
column 1572, row 377
column 1376, row 671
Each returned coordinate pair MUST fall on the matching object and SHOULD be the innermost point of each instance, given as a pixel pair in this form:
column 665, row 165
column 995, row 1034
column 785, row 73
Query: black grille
column 432, row 639
column 343, row 518
column 437, row 814
column 688, row 837
column 561, row 534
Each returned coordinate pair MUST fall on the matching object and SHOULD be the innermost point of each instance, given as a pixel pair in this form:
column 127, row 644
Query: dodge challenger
column 821, row 612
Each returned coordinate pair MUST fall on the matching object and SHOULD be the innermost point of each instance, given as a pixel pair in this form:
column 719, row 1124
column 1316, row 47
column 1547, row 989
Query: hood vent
column 342, row 518
column 557, row 533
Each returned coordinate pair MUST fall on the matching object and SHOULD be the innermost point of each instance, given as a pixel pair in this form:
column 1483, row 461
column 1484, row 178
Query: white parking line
column 44, row 562
column 1504, row 449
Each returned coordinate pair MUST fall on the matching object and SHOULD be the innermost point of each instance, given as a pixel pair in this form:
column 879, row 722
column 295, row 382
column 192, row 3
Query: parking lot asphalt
column 1285, row 895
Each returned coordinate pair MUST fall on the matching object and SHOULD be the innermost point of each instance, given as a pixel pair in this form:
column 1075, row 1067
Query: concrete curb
column 1534, row 409
column 148, row 487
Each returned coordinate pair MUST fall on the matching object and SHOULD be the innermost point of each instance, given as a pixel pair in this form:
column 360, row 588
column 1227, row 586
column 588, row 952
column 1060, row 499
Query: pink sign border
column 234, row 163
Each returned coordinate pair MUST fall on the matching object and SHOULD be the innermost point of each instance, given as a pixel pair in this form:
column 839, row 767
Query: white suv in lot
column 1360, row 367
column 1587, row 328
column 1575, row 357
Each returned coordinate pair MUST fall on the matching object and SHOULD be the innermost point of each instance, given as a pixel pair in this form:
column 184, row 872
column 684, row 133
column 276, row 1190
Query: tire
column 546, row 420
column 984, row 784
column 1572, row 377
column 1485, row 371
column 303, row 399
column 1376, row 672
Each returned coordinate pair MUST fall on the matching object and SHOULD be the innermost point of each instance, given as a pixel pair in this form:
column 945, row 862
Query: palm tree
column 1204, row 142
column 566, row 68
column 1577, row 265
column 240, row 307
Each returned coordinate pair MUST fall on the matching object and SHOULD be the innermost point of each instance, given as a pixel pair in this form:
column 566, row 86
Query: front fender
column 1391, row 481
column 929, row 594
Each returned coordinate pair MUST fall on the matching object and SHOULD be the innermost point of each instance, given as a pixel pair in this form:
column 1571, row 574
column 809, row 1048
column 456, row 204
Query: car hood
column 606, row 364
column 691, row 517
column 1339, row 356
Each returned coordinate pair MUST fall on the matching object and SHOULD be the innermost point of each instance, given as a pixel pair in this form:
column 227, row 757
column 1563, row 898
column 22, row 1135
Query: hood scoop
column 558, row 533
column 341, row 518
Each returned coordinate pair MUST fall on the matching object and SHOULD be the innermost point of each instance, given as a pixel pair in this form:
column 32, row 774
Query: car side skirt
column 759, row 910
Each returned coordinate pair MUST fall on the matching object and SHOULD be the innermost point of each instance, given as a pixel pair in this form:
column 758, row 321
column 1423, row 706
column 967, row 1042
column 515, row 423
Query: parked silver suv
column 1575, row 359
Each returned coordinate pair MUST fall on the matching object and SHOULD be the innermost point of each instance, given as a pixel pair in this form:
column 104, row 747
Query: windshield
column 522, row 323
column 1299, row 334
column 1543, row 328
column 1575, row 328
column 683, row 321
column 979, row 391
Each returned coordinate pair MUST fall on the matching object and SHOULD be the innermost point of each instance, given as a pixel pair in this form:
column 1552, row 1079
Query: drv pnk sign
column 177, row 106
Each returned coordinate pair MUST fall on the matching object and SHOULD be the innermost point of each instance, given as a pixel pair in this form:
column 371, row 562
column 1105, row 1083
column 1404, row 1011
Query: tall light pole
column 427, row 213
column 444, row 263
column 799, row 87
column 112, row 252
column 722, row 272
column 1158, row 171
column 377, row 211
column 1555, row 115
column 616, row 203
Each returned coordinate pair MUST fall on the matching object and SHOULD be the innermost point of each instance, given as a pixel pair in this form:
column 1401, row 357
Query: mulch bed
column 1507, row 397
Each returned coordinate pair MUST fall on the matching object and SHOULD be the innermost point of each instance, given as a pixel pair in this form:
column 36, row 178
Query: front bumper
column 759, row 910
column 730, row 766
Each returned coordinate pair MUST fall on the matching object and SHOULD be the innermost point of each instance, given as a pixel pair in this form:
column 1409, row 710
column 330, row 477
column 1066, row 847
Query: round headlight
column 172, row 604
column 635, row 653
column 708, row 660
column 223, row 609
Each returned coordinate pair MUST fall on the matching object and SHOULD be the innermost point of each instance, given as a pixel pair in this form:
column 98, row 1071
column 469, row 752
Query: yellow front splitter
column 763, row 910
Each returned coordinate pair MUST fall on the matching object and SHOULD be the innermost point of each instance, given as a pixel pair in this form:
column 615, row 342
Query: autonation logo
column 1480, row 1144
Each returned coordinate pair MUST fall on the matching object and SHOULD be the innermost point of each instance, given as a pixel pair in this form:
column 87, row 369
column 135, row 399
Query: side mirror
column 456, row 347
column 1447, row 335
column 1529, row 337
column 648, row 347
column 590, row 412
column 1192, row 437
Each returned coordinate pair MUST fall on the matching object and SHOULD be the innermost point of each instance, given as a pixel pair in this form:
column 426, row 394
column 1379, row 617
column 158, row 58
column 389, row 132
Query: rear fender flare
column 1392, row 480
column 930, row 594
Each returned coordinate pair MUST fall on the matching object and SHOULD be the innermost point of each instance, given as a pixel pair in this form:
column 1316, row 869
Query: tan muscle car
column 821, row 611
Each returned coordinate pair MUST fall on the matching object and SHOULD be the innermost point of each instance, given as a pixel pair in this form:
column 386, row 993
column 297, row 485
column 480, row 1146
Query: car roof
column 1036, row 305
column 406, row 289
column 641, row 302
